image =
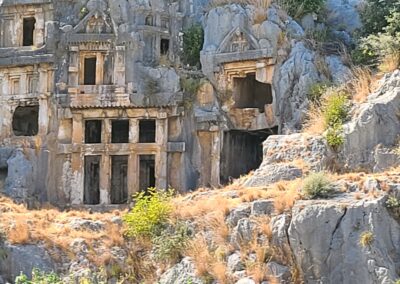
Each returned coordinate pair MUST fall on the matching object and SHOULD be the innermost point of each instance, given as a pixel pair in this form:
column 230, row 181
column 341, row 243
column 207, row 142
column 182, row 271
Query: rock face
column 325, row 239
column 377, row 122
column 183, row 272
column 24, row 258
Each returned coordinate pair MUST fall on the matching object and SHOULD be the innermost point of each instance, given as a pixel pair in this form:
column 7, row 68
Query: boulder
column 20, row 181
column 24, row 258
column 269, row 174
column 235, row 262
column 183, row 272
column 240, row 212
column 325, row 239
column 377, row 123
column 262, row 207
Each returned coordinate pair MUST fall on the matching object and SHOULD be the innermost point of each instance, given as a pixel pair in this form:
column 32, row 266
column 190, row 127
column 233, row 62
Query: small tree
column 193, row 40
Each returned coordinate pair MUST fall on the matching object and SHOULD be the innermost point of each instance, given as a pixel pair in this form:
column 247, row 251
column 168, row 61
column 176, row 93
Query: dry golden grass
column 199, row 252
column 314, row 124
column 19, row 234
column 390, row 62
column 362, row 84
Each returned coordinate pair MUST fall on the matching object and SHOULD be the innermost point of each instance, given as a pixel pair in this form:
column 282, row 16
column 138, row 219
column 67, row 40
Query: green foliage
column 150, row 213
column 334, row 136
column 380, row 34
column 190, row 85
column 193, row 40
column 336, row 108
column 298, row 8
column 376, row 13
column 317, row 90
column 366, row 239
column 39, row 277
column 317, row 185
column 171, row 243
column 392, row 202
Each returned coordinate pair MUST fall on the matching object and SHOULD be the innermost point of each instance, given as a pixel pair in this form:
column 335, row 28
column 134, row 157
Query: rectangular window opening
column 147, row 131
column 93, row 131
column 28, row 31
column 91, row 194
column 147, row 178
column 26, row 121
column 164, row 46
column 119, row 179
column 120, row 131
column 90, row 71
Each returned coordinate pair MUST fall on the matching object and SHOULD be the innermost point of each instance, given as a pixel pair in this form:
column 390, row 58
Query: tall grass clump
column 317, row 185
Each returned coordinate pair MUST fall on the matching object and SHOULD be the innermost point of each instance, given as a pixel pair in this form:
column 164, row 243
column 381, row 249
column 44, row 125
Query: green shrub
column 317, row 90
column 317, row 185
column 375, row 15
column 39, row 277
column 366, row 239
column 193, row 40
column 150, row 213
column 171, row 243
column 336, row 108
column 392, row 202
column 298, row 8
column 334, row 136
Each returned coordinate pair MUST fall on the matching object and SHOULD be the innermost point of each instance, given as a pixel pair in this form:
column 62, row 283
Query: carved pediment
column 238, row 40
column 97, row 21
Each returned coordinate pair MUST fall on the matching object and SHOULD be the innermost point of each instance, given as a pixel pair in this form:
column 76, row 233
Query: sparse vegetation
column 366, row 239
column 171, row 243
column 298, row 8
column 317, row 185
column 39, row 277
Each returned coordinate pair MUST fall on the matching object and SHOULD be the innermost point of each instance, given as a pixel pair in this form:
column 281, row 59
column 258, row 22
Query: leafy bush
column 193, row 40
column 375, row 15
column 171, row 243
column 39, row 277
column 316, row 91
column 336, row 108
column 298, row 8
column 366, row 239
column 381, row 31
column 150, row 213
column 317, row 185
column 334, row 136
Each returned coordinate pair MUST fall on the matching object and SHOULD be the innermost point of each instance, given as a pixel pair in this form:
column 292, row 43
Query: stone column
column 215, row 158
column 119, row 66
column 161, row 157
column 105, row 169
column 43, row 116
column 133, row 131
column 133, row 175
column 77, row 160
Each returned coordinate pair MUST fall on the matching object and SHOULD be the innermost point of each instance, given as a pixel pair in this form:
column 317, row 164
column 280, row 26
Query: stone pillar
column 73, row 75
column 119, row 66
column 133, row 131
column 215, row 158
column 133, row 175
column 105, row 169
column 77, row 129
column 161, row 157
column 106, row 131
column 99, row 68
column 43, row 116
column 39, row 30
column 77, row 160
